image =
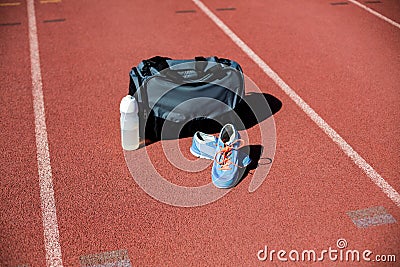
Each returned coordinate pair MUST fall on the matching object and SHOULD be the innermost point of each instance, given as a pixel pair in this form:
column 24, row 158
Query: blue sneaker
column 203, row 145
column 227, row 159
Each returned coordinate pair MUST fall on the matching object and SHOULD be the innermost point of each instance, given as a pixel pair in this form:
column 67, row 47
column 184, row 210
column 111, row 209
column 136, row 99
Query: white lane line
column 347, row 149
column 49, row 217
column 375, row 13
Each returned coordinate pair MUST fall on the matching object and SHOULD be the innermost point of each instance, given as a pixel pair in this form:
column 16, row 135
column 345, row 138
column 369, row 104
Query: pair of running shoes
column 225, row 151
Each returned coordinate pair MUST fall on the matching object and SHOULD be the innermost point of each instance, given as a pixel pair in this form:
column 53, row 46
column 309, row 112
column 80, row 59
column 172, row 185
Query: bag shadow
column 253, row 109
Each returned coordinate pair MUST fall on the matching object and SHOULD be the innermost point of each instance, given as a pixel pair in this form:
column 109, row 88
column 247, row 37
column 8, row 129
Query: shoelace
column 225, row 152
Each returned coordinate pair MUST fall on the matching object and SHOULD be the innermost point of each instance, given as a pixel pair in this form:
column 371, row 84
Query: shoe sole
column 194, row 153
column 228, row 186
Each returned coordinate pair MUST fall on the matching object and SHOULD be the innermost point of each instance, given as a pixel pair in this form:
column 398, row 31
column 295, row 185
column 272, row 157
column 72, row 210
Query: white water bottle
column 129, row 123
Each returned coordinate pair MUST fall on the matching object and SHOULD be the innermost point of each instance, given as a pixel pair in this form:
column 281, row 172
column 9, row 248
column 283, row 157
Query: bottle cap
column 128, row 105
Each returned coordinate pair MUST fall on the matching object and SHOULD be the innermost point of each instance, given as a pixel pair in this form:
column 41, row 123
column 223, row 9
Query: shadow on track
column 253, row 109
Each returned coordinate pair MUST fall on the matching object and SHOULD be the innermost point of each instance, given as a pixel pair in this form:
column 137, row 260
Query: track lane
column 21, row 230
column 351, row 54
column 89, row 183
column 274, row 25
column 387, row 8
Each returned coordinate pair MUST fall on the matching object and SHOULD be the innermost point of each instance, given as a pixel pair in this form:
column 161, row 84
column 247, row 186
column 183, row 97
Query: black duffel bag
column 178, row 97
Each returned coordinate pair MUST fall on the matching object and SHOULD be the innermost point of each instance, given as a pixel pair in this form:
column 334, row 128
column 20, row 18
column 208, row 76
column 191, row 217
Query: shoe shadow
column 253, row 109
column 254, row 152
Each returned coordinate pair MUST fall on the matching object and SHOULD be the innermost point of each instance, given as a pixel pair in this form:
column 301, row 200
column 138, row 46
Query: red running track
column 340, row 59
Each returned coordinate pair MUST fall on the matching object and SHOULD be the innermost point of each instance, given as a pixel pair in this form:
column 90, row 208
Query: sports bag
column 182, row 91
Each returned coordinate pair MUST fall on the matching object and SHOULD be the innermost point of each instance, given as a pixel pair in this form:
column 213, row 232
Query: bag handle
column 214, row 73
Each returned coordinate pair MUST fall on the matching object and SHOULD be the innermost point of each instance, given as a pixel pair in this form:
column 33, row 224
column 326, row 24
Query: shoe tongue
column 200, row 136
column 227, row 135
